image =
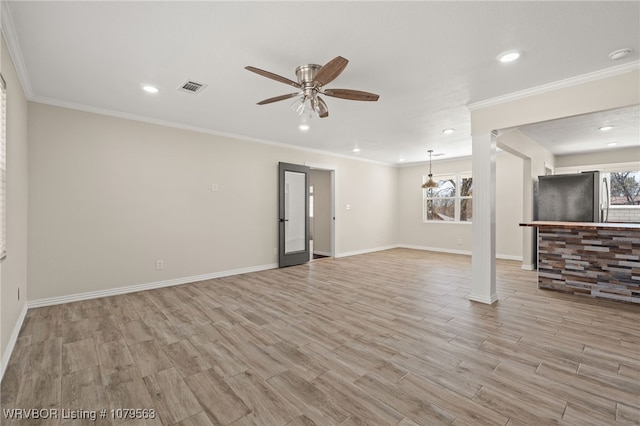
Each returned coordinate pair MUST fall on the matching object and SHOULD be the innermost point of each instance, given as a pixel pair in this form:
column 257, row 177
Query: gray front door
column 293, row 182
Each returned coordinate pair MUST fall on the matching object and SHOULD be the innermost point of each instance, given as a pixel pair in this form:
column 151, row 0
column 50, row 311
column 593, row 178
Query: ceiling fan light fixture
column 299, row 105
column 312, row 79
column 305, row 116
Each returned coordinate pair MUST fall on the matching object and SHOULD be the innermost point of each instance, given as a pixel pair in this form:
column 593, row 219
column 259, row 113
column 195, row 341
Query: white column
column 483, row 259
column 528, row 241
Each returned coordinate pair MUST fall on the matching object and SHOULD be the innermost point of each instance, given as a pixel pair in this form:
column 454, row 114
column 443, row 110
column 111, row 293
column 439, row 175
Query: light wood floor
column 387, row 338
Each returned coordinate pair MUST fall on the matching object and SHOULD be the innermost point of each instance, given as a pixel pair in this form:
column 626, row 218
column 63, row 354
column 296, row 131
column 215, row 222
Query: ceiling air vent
column 191, row 86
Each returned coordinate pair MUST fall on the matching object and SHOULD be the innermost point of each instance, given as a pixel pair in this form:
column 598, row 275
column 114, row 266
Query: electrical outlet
column 214, row 187
column 159, row 264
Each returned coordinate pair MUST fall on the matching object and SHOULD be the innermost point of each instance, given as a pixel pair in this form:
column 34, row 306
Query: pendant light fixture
column 430, row 183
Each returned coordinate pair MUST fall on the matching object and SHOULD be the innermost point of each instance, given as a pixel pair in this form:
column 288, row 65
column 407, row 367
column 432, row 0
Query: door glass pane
column 294, row 204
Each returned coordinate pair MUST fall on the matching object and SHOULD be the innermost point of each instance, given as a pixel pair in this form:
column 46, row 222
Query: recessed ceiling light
column 605, row 128
column 448, row 131
column 304, row 127
column 356, row 149
column 509, row 56
column 401, row 159
column 150, row 89
column 612, row 144
column 619, row 54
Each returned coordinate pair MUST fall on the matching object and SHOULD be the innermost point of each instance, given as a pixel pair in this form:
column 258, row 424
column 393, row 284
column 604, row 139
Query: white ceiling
column 427, row 60
column 582, row 133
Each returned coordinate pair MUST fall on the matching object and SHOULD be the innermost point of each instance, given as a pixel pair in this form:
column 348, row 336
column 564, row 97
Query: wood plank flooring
column 387, row 338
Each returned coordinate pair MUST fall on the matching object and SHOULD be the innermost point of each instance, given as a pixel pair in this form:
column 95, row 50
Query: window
column 451, row 201
column 624, row 188
column 3, row 170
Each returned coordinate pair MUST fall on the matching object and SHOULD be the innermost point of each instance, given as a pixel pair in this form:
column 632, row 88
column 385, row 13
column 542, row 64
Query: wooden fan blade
column 331, row 70
column 273, row 76
column 279, row 98
column 354, row 95
column 323, row 110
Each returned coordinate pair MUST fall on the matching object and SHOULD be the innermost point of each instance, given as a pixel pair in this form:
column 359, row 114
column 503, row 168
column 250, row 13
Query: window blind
column 3, row 171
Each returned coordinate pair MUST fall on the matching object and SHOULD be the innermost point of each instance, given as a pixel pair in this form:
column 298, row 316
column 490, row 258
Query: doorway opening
column 321, row 212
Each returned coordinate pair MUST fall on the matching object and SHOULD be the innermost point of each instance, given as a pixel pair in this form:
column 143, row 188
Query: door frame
column 333, row 171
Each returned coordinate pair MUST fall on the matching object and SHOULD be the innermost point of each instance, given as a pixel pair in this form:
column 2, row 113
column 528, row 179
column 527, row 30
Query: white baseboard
column 365, row 251
column 531, row 267
column 483, row 299
column 456, row 251
column 149, row 286
column 509, row 257
column 185, row 280
column 437, row 249
column 12, row 341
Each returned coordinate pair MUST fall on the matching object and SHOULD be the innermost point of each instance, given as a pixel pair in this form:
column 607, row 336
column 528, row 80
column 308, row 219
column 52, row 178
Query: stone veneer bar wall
column 596, row 262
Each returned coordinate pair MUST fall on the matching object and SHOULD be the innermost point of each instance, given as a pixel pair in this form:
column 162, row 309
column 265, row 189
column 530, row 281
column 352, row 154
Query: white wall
column 13, row 270
column 630, row 157
column 519, row 144
column 509, row 206
column 111, row 196
column 456, row 237
column 536, row 160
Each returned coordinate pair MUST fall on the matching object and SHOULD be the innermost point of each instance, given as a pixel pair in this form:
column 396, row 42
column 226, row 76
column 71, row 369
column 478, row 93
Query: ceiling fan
column 311, row 81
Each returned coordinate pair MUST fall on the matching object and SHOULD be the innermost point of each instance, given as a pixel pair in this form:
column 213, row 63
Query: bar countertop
column 584, row 225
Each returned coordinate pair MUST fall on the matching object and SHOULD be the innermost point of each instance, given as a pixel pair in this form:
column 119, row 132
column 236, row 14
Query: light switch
column 214, row 187
column 348, row 207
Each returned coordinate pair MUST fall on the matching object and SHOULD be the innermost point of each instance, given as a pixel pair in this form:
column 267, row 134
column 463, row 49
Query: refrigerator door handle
column 607, row 200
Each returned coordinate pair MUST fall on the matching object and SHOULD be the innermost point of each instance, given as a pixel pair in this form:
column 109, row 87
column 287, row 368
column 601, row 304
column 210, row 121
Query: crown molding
column 144, row 119
column 10, row 37
column 560, row 84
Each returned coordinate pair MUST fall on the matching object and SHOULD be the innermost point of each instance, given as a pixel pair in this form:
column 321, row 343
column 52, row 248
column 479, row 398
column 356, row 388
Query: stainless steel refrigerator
column 577, row 197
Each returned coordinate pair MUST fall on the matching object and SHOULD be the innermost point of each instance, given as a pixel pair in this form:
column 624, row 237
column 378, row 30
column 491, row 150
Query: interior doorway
column 321, row 212
column 293, row 212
